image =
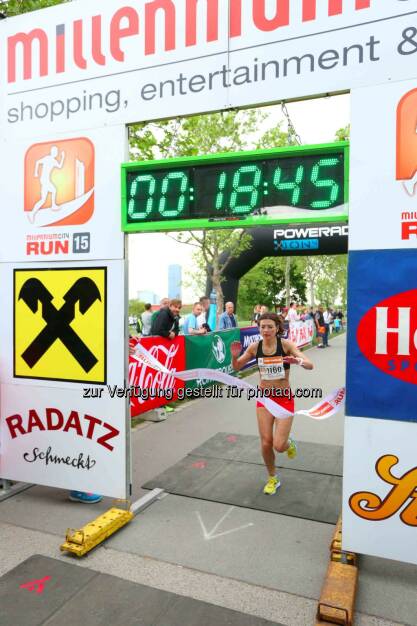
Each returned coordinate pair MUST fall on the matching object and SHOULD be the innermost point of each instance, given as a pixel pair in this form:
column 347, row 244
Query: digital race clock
column 246, row 189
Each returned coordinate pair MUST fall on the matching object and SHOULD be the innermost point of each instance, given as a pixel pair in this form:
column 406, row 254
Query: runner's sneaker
column 85, row 498
column 292, row 449
column 272, row 485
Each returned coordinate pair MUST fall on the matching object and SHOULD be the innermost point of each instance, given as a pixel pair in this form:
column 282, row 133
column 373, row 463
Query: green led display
column 259, row 186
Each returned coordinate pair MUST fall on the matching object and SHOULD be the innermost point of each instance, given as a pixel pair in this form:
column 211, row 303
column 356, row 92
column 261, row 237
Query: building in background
column 148, row 296
column 174, row 282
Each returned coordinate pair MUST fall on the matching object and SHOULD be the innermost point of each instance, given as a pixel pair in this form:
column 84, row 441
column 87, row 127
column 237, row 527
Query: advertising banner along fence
column 211, row 351
column 324, row 409
column 151, row 388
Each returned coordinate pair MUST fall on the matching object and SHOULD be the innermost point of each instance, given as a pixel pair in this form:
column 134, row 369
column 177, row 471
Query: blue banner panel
column 382, row 335
column 249, row 335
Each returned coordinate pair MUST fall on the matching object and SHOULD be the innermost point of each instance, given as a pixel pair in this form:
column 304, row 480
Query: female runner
column 274, row 357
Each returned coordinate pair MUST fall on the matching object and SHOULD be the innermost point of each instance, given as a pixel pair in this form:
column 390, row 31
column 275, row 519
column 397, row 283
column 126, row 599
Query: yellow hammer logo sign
column 60, row 324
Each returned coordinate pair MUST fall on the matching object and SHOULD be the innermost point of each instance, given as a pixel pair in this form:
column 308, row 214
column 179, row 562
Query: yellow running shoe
column 292, row 449
column 272, row 485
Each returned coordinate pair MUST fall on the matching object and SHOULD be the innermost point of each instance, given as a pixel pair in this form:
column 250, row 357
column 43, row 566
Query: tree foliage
column 343, row 134
column 325, row 277
column 136, row 307
column 227, row 131
column 210, row 246
column 17, row 7
column 265, row 284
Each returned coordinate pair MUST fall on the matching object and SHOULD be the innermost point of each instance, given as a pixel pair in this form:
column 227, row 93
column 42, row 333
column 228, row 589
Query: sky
column 315, row 121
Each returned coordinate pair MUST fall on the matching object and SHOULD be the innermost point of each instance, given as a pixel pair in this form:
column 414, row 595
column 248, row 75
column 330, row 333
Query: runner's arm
column 292, row 351
column 240, row 361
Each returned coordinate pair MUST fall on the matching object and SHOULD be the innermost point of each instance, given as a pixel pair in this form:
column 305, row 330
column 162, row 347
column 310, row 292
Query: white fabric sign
column 55, row 437
column 322, row 410
column 63, row 196
column 380, row 488
column 88, row 64
column 383, row 167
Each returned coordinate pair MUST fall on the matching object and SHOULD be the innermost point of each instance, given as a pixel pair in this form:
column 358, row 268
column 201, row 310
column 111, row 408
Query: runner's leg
column 265, row 427
column 281, row 433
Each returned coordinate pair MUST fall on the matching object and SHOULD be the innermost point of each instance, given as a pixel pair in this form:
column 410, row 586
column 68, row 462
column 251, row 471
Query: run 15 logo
column 370, row 506
column 58, row 192
column 387, row 336
column 407, row 159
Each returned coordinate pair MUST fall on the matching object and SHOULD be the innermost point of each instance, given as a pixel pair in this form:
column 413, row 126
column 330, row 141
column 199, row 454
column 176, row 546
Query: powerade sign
column 298, row 244
column 382, row 343
column 314, row 239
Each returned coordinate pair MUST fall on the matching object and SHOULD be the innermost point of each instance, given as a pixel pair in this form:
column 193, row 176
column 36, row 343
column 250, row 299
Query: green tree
column 17, row 7
column 228, row 131
column 210, row 246
column 265, row 284
column 331, row 285
column 136, row 307
column 312, row 267
column 343, row 134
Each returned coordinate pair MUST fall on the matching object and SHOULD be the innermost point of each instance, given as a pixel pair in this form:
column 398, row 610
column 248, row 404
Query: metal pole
column 9, row 488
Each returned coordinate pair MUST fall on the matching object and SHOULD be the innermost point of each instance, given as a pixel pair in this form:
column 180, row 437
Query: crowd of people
column 165, row 322
column 326, row 320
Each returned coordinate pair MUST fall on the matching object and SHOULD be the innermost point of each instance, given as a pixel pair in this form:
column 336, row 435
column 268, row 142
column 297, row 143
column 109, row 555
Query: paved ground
column 262, row 564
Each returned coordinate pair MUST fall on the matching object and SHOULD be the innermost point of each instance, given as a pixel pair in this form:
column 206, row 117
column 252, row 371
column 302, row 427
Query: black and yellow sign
column 60, row 324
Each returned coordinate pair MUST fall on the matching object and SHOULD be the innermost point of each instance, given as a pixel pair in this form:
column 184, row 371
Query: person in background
column 204, row 315
column 328, row 320
column 305, row 315
column 146, row 319
column 166, row 323
column 264, row 309
column 292, row 315
column 84, row 497
column 320, row 327
column 228, row 319
column 162, row 305
column 256, row 315
column 191, row 324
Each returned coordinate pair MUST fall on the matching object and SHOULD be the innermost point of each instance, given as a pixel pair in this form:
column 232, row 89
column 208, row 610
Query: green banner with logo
column 211, row 351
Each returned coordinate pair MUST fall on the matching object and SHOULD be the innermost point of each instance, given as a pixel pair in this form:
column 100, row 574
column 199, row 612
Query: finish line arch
column 282, row 240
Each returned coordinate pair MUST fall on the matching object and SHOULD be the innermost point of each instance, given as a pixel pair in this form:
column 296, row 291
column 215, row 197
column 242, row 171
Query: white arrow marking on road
column 212, row 534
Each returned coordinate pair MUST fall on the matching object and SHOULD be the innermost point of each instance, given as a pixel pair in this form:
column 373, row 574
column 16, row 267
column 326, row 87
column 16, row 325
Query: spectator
column 228, row 319
column 339, row 315
column 292, row 315
column 256, row 315
column 320, row 328
column 146, row 319
column 163, row 304
column 191, row 324
column 166, row 323
column 328, row 319
column 264, row 309
column 305, row 314
column 204, row 315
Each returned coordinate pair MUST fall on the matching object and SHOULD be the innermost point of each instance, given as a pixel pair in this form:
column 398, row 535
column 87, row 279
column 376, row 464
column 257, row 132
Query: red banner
column 154, row 389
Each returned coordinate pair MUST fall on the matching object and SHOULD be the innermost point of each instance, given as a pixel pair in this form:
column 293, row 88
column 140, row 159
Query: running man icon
column 48, row 164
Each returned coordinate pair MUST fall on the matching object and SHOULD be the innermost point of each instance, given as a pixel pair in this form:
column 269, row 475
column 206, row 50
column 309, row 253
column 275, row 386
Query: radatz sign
column 152, row 57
